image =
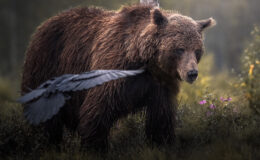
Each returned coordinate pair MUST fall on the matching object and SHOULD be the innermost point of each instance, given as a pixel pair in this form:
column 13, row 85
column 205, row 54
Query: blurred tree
column 13, row 35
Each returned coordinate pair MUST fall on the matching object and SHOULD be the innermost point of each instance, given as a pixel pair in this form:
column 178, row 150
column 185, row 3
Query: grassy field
column 218, row 118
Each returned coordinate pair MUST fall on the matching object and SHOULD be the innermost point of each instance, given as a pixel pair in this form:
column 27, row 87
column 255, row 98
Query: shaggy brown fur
column 84, row 39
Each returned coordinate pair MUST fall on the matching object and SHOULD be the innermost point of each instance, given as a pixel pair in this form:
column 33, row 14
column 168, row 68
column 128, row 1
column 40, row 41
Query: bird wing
column 86, row 81
column 45, row 101
column 44, row 88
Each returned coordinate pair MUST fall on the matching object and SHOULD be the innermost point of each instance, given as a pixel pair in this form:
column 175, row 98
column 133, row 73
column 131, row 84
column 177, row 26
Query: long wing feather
column 84, row 81
column 46, row 101
column 31, row 95
column 44, row 88
column 44, row 108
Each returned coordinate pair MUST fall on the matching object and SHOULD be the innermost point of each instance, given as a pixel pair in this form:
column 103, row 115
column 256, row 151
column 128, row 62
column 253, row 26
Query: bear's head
column 179, row 43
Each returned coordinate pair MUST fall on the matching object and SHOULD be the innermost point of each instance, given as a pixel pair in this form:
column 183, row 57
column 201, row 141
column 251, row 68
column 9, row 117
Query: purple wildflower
column 209, row 113
column 225, row 99
column 212, row 106
column 203, row 102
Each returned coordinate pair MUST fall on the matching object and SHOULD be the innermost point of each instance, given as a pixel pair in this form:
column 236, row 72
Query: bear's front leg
column 160, row 118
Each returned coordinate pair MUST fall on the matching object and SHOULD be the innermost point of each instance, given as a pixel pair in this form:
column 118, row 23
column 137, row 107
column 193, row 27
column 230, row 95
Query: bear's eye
column 179, row 51
column 198, row 54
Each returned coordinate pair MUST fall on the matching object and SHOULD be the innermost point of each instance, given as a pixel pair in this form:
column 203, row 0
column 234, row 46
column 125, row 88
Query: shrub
column 251, row 71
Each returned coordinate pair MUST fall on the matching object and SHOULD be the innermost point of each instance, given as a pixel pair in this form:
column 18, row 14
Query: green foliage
column 251, row 71
column 5, row 93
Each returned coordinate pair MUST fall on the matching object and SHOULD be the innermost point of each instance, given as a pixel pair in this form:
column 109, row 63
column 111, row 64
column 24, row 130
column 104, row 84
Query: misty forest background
column 218, row 116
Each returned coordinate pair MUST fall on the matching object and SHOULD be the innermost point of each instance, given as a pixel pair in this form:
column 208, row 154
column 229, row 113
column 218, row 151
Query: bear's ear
column 158, row 18
column 206, row 23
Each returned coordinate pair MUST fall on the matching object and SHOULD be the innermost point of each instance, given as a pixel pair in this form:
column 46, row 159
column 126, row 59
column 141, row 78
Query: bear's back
column 82, row 39
column 60, row 45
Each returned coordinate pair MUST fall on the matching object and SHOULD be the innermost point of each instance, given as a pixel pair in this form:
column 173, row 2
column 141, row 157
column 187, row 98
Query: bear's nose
column 192, row 75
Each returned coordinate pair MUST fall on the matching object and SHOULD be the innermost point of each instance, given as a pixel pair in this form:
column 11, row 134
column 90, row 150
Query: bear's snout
column 192, row 75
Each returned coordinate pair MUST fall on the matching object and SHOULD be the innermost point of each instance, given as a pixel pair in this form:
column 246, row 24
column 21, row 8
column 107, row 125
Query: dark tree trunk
column 13, row 35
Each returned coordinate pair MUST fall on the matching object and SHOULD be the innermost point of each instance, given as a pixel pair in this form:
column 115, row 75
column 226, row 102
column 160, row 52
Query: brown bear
column 167, row 44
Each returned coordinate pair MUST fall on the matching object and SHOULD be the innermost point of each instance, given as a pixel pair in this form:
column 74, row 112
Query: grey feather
column 45, row 101
column 83, row 81
column 31, row 95
column 44, row 108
